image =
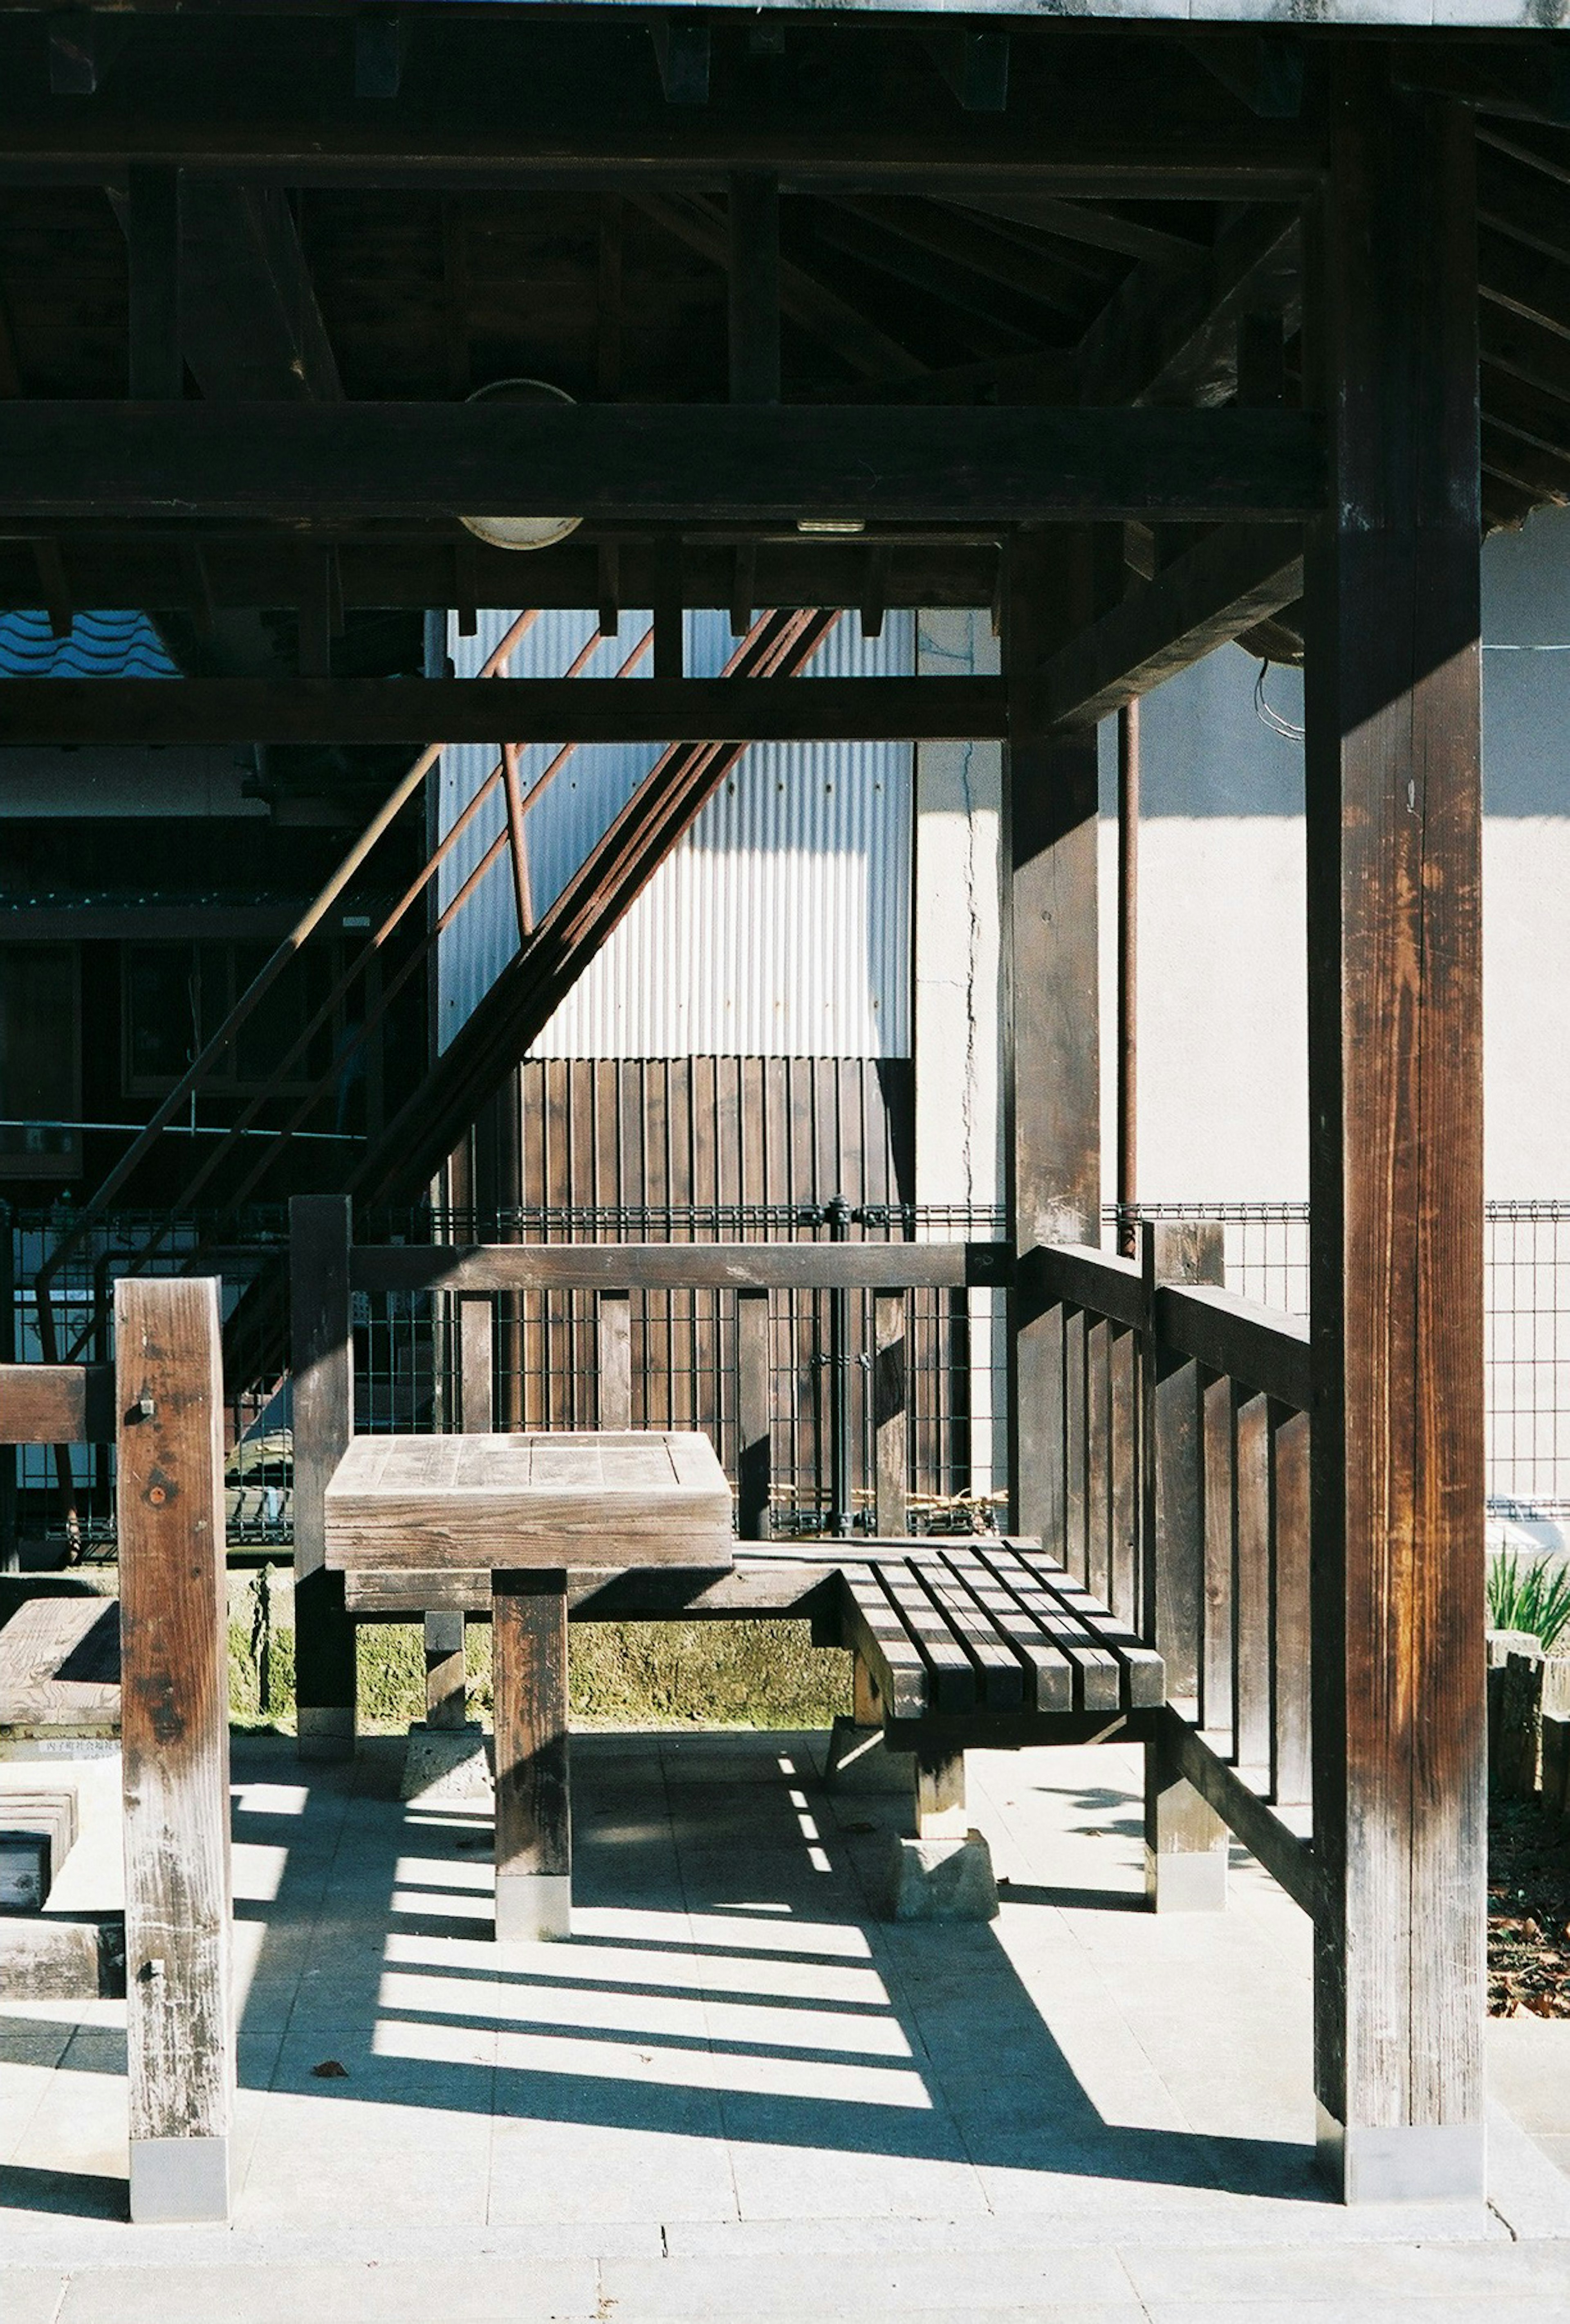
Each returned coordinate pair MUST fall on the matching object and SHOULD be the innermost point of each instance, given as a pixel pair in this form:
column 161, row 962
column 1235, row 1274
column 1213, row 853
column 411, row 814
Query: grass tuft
column 1530, row 1594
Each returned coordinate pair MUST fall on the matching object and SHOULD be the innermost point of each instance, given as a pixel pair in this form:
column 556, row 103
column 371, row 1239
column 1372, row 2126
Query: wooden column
column 890, row 1415
column 752, row 1416
column 754, row 303
column 323, row 1386
column 446, row 1666
column 1395, row 1092
column 613, row 1352
column 1051, row 1065
column 175, row 1745
column 534, row 1834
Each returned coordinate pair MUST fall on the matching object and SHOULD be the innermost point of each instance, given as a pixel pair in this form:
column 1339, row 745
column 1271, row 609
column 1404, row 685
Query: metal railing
column 685, row 1352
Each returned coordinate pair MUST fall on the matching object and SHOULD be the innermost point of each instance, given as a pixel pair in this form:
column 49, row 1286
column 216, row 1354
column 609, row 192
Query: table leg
column 534, row 1836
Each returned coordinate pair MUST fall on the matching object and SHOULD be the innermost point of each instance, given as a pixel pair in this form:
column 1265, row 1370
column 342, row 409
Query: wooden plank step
column 59, row 1668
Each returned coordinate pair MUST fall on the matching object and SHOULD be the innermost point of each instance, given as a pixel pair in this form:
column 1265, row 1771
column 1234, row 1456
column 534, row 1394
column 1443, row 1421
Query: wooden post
column 323, row 1384
column 752, row 1416
column 175, row 1745
column 477, row 1355
column 1395, row 1092
column 890, row 1418
column 446, row 1668
column 1052, row 1067
column 939, row 1801
column 534, row 1834
column 446, row 1674
column 1186, row 1843
column 754, row 287
column 613, row 1336
column 152, row 208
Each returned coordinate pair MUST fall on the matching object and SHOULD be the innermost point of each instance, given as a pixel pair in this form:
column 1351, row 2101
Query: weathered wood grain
column 1395, row 1102
column 630, row 1497
column 890, row 1400
column 175, row 1744
column 59, row 1668
column 534, row 1832
column 324, row 1419
column 754, row 1447
column 57, row 1404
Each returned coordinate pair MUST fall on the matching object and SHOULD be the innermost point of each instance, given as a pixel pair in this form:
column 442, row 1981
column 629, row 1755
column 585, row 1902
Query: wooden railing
column 1182, row 1493
column 479, row 1279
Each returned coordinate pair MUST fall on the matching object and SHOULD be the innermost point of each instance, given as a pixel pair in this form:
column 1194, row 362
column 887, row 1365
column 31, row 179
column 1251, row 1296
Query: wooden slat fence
column 1184, row 1487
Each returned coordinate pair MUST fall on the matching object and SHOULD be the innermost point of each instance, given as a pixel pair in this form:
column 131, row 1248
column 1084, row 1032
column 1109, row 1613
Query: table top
column 581, row 1497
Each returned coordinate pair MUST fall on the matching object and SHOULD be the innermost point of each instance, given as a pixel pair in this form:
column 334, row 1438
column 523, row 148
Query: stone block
column 936, row 1880
column 448, row 1766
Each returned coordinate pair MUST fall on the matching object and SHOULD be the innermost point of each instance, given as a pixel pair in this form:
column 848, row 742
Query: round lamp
column 520, row 531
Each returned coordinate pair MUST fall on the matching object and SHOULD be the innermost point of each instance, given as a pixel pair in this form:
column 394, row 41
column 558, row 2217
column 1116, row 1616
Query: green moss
column 622, row 1674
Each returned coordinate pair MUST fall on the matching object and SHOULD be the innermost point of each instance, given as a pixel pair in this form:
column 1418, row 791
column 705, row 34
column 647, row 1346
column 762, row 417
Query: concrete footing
column 936, row 1880
column 325, row 1731
column 533, row 1907
column 448, row 1766
column 1406, row 2163
column 859, row 1760
column 178, row 2181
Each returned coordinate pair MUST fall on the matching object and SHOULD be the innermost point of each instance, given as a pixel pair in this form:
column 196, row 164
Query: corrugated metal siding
column 779, row 926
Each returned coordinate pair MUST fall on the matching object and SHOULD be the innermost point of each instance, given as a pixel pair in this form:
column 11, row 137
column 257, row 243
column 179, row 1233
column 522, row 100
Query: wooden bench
column 980, row 1632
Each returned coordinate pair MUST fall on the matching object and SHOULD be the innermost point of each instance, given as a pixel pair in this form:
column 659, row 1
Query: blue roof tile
column 100, row 645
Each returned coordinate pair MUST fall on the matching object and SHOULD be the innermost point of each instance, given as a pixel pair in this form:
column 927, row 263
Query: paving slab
column 733, row 2091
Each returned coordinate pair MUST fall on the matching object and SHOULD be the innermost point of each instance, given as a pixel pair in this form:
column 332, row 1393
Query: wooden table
column 528, row 1508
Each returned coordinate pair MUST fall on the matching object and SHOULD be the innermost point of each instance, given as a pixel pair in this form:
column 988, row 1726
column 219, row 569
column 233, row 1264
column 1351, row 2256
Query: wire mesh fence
column 686, row 1354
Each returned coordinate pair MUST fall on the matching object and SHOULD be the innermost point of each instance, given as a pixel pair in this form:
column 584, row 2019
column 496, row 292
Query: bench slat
column 881, row 1637
column 1050, row 1673
column 1098, row 1674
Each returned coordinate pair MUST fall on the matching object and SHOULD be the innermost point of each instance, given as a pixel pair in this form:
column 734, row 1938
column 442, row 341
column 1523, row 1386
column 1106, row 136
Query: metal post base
column 179, row 2180
column 532, row 1907
column 1407, row 2162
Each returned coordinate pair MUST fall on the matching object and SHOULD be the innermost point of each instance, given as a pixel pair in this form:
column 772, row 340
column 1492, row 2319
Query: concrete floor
column 733, row 2095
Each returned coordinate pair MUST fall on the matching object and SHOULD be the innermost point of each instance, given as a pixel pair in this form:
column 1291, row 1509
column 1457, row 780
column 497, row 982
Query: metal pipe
column 1128, row 772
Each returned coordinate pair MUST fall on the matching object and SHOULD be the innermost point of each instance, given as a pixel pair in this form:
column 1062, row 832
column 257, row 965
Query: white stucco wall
column 1222, row 996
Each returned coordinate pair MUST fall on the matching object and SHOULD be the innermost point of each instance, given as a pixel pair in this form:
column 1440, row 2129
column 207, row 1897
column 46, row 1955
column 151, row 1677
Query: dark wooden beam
column 811, row 304
column 471, row 129
column 260, row 569
column 1078, row 222
column 1393, row 799
column 251, row 327
column 972, row 61
column 1206, row 597
column 1050, row 279
column 472, row 710
column 153, row 251
column 1263, row 71
column 1526, row 282
column 69, row 462
column 1522, row 80
column 378, row 47
column 682, row 51
column 755, row 288
column 1168, row 334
